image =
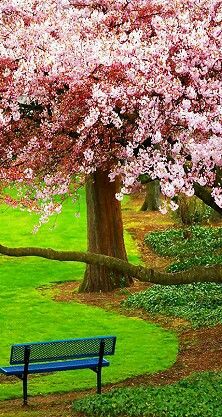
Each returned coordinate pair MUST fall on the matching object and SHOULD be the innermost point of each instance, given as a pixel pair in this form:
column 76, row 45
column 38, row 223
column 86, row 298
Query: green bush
column 172, row 242
column 201, row 304
column 196, row 396
column 204, row 260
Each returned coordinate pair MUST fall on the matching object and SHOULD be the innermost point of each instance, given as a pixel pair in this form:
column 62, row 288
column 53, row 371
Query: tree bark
column 152, row 198
column 195, row 274
column 105, row 233
column 204, row 193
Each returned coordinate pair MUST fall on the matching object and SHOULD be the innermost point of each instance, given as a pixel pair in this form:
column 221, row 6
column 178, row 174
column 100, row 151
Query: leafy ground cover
column 201, row 304
column 196, row 260
column 29, row 314
column 200, row 249
column 196, row 396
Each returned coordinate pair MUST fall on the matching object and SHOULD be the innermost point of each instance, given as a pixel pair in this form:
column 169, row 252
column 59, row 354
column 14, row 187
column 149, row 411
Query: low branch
column 195, row 274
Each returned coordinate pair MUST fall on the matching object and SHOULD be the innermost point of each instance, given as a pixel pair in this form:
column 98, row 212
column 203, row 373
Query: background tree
column 110, row 90
column 152, row 196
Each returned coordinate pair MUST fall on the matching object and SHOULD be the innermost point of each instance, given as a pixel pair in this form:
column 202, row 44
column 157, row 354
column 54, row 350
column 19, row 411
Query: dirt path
column 139, row 223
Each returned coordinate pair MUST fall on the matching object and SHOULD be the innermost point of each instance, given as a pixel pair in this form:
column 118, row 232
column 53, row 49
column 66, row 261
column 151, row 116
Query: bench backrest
column 62, row 349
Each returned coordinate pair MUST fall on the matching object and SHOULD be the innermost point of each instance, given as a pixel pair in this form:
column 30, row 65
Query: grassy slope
column 28, row 315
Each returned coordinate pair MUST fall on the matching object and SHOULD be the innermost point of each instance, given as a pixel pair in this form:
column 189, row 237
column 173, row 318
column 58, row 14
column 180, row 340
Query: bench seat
column 59, row 355
column 54, row 366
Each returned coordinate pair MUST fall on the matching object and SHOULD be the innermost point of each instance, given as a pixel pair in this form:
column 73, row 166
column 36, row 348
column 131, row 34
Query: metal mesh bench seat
column 54, row 366
column 59, row 355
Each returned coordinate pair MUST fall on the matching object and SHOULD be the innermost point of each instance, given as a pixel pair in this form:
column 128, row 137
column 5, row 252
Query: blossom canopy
column 130, row 87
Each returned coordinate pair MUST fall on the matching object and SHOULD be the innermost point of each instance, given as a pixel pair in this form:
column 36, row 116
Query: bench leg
column 99, row 380
column 25, row 373
column 25, row 389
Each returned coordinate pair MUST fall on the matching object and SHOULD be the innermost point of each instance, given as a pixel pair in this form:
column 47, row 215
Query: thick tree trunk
column 105, row 233
column 152, row 198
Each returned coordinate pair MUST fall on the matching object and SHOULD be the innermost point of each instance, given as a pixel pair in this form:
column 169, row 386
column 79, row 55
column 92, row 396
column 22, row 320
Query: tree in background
column 109, row 90
column 152, row 196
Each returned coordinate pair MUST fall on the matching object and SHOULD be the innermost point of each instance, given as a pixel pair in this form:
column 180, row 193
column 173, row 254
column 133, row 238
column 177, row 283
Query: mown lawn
column 27, row 314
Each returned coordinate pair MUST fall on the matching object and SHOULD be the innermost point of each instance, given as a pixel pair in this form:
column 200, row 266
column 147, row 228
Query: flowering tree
column 110, row 90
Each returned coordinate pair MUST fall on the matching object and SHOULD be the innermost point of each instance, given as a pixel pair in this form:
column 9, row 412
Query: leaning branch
column 204, row 193
column 197, row 274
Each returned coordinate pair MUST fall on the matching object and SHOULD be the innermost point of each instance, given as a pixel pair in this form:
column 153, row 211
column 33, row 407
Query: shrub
column 196, row 396
column 204, row 260
column 199, row 303
column 172, row 242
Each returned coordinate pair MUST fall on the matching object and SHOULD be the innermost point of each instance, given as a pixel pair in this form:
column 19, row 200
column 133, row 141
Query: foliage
column 201, row 304
column 196, row 396
column 171, row 242
column 127, row 87
column 195, row 260
column 29, row 313
column 200, row 249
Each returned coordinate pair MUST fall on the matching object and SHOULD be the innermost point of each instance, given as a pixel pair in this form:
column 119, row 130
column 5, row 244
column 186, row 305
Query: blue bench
column 59, row 355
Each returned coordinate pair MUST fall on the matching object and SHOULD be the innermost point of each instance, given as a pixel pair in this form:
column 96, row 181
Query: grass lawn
column 29, row 315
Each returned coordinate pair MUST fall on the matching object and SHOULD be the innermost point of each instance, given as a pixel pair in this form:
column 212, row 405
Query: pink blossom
column 173, row 206
column 119, row 196
column 131, row 87
column 217, row 194
column 163, row 209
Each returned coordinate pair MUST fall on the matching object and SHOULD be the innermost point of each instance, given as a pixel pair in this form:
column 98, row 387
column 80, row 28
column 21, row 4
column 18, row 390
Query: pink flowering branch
column 131, row 87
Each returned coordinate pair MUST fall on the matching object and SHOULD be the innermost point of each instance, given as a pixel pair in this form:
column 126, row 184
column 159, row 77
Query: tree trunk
column 152, row 198
column 105, row 233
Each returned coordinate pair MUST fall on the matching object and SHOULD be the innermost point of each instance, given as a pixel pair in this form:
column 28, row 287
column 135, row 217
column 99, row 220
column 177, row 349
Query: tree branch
column 204, row 194
column 195, row 274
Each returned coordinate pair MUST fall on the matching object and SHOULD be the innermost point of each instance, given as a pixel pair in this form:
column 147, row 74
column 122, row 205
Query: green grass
column 201, row 304
column 28, row 314
column 196, row 396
